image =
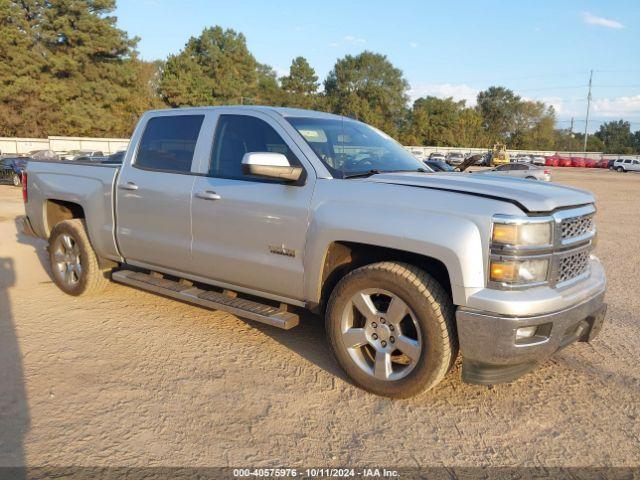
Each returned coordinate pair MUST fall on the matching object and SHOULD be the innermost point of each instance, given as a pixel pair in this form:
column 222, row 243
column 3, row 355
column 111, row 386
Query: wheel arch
column 343, row 257
column 57, row 211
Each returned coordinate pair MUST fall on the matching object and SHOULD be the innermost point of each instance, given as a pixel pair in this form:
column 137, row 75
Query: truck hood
column 529, row 195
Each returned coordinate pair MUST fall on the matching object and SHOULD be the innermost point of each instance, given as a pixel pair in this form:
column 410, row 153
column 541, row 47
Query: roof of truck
column 283, row 111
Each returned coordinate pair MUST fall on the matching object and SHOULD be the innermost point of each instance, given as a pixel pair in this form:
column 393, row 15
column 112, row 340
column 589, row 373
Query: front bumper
column 491, row 354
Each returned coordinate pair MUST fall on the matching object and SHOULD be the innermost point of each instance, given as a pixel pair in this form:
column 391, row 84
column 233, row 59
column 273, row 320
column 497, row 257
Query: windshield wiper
column 361, row 174
column 374, row 171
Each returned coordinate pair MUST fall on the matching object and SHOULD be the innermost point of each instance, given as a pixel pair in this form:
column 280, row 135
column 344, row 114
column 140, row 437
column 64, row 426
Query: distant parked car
column 578, row 162
column 81, row 154
column 11, row 169
column 43, row 155
column 439, row 166
column 117, row 157
column 538, row 160
column 552, row 161
column 438, row 156
column 590, row 163
column 564, row 162
column 519, row 170
column 626, row 165
column 455, row 158
column 522, row 159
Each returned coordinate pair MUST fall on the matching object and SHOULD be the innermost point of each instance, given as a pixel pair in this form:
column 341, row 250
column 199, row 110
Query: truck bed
column 56, row 184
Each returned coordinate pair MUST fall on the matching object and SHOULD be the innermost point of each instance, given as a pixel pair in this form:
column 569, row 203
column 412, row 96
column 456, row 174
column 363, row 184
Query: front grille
column 572, row 266
column 576, row 226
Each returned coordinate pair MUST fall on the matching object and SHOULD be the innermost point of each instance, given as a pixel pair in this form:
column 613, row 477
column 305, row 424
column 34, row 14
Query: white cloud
column 445, row 90
column 354, row 40
column 413, row 44
column 592, row 19
column 617, row 107
column 334, row 44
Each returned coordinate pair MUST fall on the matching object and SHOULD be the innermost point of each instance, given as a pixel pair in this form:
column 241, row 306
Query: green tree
column 213, row 69
column 269, row 91
column 498, row 107
column 21, row 63
column 443, row 122
column 533, row 127
column 301, row 85
column 636, row 141
column 368, row 87
column 84, row 77
column 616, row 136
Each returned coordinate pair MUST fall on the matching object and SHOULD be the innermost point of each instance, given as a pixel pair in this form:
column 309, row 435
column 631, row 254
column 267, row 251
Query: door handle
column 129, row 186
column 208, row 195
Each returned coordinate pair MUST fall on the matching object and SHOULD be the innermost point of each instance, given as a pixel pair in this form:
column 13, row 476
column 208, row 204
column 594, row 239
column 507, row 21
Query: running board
column 226, row 301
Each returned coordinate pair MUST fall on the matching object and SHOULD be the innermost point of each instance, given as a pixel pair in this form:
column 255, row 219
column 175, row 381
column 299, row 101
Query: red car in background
column 578, row 162
column 564, row 162
column 603, row 164
column 552, row 161
column 590, row 163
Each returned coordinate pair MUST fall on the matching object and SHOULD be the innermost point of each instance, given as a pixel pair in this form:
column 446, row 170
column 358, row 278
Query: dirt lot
column 133, row 379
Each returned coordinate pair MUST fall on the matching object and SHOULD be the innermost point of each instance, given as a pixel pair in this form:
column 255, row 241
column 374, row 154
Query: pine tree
column 213, row 69
column 77, row 74
column 301, row 85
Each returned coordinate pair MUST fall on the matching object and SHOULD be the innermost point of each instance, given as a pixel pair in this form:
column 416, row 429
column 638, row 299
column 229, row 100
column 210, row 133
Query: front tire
column 74, row 264
column 391, row 327
column 620, row 169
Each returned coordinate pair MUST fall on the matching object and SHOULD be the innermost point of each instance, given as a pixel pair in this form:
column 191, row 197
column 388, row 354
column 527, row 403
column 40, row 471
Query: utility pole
column 571, row 127
column 586, row 122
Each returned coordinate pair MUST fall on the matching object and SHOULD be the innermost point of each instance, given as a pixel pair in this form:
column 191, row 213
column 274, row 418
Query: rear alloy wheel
column 74, row 264
column 391, row 328
column 17, row 181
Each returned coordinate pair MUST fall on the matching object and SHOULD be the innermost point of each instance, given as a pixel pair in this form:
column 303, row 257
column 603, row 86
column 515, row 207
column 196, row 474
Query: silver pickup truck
column 263, row 211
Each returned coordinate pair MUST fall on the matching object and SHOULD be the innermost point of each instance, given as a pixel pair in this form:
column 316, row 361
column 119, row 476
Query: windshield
column 349, row 148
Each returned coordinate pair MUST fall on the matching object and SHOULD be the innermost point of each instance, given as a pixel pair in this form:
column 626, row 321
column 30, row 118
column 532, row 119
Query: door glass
column 239, row 134
column 168, row 143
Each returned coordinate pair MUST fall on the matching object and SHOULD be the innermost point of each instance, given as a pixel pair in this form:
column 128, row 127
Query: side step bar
column 208, row 298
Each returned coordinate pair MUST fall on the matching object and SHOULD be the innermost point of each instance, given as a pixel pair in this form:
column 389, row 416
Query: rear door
column 247, row 231
column 154, row 192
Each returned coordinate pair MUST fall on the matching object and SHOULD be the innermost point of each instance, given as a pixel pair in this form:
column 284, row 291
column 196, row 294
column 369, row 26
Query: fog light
column 526, row 332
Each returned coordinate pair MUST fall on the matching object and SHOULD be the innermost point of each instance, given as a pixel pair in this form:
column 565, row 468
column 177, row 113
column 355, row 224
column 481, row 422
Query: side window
column 627, row 161
column 636, row 162
column 239, row 134
column 168, row 143
column 503, row 168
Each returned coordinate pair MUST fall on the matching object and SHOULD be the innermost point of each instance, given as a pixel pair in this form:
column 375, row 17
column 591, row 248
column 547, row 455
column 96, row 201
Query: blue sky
column 542, row 50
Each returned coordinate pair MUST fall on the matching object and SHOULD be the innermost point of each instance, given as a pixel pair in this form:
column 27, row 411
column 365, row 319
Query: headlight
column 521, row 234
column 519, row 271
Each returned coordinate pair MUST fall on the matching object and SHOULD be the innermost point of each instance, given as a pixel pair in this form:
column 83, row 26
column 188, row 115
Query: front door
column 154, row 194
column 247, row 231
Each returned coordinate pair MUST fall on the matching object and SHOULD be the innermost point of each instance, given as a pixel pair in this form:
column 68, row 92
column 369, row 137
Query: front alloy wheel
column 391, row 327
column 381, row 334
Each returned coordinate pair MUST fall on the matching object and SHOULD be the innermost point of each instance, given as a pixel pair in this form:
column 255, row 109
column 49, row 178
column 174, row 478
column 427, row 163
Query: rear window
column 168, row 143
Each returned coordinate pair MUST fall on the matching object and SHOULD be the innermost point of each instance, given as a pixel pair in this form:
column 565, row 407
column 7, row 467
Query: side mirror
column 270, row 165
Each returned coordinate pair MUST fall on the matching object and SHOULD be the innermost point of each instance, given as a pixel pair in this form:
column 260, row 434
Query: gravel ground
column 133, row 379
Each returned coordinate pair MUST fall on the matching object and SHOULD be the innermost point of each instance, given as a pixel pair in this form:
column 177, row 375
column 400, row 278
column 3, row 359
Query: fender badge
column 282, row 250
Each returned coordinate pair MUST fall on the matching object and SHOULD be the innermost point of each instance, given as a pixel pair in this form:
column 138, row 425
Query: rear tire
column 391, row 327
column 17, row 181
column 74, row 264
